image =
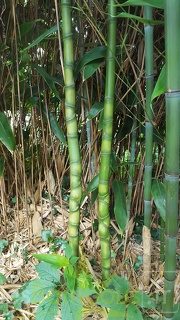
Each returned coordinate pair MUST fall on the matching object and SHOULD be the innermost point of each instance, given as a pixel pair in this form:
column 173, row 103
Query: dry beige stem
column 146, row 255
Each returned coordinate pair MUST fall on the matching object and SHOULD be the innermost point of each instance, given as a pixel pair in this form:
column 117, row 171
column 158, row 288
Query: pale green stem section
column 104, row 218
column 72, row 129
column 172, row 53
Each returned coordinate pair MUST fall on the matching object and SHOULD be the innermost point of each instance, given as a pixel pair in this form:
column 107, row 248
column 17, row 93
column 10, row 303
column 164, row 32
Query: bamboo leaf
column 90, row 68
column 25, row 27
column 54, row 259
column 93, row 184
column 93, row 55
column 95, row 110
column 145, row 21
column 153, row 3
column 2, row 166
column 159, row 196
column 41, row 37
column 120, row 204
column 160, row 86
column 49, row 80
column 6, row 133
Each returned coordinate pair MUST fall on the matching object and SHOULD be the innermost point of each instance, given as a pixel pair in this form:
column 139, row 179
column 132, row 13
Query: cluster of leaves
column 65, row 290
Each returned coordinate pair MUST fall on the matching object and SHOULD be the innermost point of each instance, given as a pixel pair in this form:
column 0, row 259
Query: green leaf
column 70, row 276
column 41, row 37
column 48, row 308
column 101, row 118
column 153, row 3
column 93, row 184
column 46, row 272
column 159, row 196
column 117, row 312
column 119, row 284
column 95, row 110
column 55, row 127
column 2, row 166
column 54, row 259
column 6, row 134
column 25, row 27
column 71, row 307
column 142, row 300
column 145, row 21
column 90, row 68
column 84, row 285
column 3, row 244
column 133, row 312
column 120, row 205
column 160, row 86
column 108, row 298
column 46, row 235
column 32, row 292
column 93, row 55
column 7, row 315
column 2, row 279
column 68, row 251
column 49, row 80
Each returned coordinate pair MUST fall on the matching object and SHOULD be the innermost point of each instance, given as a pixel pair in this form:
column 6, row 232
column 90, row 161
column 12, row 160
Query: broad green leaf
column 41, row 37
column 120, row 209
column 6, row 134
column 2, row 279
column 160, row 86
column 4, row 307
column 133, row 312
column 68, row 251
column 142, row 300
column 108, row 298
column 55, row 127
column 153, row 3
column 90, row 68
column 159, row 196
column 46, row 272
column 93, row 55
column 46, row 235
column 93, row 184
column 95, row 110
column 49, row 80
column 54, row 259
column 70, row 276
column 25, row 27
column 117, row 312
column 3, row 244
column 2, row 166
column 32, row 292
column 176, row 312
column 145, row 21
column 119, row 284
column 48, row 308
column 71, row 307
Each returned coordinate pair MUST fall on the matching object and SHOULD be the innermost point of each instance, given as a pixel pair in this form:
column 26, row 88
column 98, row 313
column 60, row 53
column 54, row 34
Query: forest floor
column 18, row 266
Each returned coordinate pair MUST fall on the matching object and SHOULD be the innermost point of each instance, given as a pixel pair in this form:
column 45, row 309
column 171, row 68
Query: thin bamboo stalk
column 103, row 192
column 72, row 129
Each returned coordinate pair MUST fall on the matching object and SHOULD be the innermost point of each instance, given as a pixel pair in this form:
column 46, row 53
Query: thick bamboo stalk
column 72, row 129
column 172, row 53
column 103, row 192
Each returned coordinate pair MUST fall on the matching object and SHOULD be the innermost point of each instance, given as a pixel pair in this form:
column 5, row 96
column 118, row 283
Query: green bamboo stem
column 103, row 192
column 72, row 129
column 148, row 116
column 172, row 53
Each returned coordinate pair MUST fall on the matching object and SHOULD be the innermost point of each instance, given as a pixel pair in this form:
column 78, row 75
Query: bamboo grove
column 92, row 92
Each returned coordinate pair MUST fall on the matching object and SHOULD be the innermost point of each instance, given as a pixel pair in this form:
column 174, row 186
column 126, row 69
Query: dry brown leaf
column 36, row 224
